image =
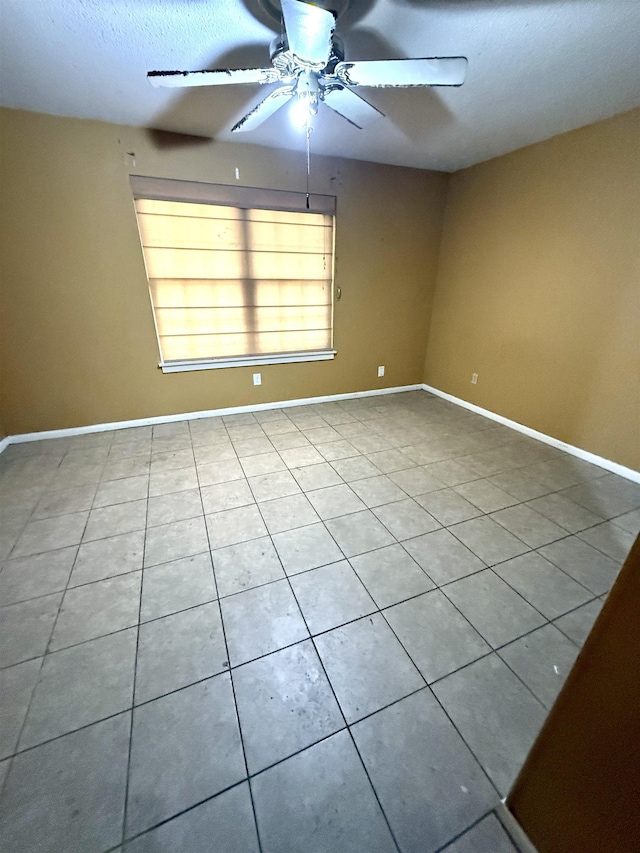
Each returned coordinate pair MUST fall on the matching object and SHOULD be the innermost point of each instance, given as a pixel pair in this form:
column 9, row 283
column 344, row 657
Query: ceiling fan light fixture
column 306, row 99
column 303, row 109
column 307, row 59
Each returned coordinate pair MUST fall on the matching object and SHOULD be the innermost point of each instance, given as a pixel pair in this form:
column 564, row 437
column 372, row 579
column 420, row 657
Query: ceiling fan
column 308, row 61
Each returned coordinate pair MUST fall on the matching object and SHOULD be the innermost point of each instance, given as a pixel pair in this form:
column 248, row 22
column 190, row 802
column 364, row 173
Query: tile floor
column 335, row 627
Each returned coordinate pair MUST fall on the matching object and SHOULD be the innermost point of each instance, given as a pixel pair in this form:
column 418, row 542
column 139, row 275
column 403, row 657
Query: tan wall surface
column 538, row 288
column 77, row 339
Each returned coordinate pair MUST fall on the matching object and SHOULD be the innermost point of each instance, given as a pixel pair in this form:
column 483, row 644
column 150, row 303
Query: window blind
column 234, row 282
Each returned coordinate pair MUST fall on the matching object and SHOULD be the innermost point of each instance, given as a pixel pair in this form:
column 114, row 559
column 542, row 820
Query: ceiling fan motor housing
column 308, row 62
column 282, row 59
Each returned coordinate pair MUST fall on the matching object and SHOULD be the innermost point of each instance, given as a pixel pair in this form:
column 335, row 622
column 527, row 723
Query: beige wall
column 538, row 288
column 77, row 339
column 538, row 284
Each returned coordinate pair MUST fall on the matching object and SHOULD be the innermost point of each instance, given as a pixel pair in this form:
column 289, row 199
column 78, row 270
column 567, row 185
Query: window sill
column 248, row 361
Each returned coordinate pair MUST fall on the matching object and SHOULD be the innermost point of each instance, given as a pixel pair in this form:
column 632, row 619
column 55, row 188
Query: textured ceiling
column 535, row 69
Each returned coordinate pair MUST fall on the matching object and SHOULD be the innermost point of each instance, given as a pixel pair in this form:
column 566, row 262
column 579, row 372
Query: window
column 236, row 275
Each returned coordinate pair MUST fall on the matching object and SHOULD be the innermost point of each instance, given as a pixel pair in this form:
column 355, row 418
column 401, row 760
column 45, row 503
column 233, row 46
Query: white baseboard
column 513, row 828
column 607, row 464
column 187, row 416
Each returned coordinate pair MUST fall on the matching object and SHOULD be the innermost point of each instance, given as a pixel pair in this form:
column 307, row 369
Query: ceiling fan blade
column 435, row 71
column 217, row 77
column 351, row 106
column 309, row 30
column 264, row 109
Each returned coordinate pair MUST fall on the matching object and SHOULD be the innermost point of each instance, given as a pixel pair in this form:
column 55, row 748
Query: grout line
column 129, row 709
column 583, row 455
column 74, row 645
column 380, row 609
column 42, row 662
column 401, row 542
column 178, row 814
column 321, row 520
column 444, row 710
column 492, row 650
column 517, row 501
column 369, row 423
column 228, row 660
column 80, row 728
column 135, row 677
column 471, row 826
column 495, row 649
column 339, row 706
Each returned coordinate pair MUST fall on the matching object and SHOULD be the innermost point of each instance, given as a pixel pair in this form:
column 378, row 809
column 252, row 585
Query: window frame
column 170, row 189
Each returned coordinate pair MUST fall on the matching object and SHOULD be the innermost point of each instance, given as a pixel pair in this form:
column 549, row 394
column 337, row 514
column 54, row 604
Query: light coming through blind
column 229, row 282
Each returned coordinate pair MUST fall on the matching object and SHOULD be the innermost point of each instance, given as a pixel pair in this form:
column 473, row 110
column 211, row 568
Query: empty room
column 319, row 426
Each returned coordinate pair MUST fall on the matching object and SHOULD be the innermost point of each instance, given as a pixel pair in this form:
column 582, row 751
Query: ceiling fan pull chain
column 309, row 129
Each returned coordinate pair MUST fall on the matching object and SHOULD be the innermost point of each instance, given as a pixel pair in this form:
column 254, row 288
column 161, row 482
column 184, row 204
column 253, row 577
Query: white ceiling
column 536, row 68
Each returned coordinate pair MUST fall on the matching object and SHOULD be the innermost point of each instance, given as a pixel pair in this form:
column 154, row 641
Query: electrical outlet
column 381, row 370
column 257, row 379
column 474, row 378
